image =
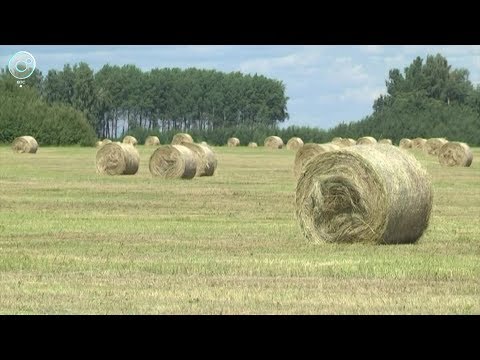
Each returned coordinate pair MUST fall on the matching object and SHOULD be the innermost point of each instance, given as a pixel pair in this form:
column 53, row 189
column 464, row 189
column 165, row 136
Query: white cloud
column 364, row 94
column 344, row 70
column 372, row 49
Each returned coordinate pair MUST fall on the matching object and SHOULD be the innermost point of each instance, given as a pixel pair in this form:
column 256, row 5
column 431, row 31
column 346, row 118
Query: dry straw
column 364, row 194
column 294, row 143
column 25, row 144
column 152, row 141
column 432, row 146
column 181, row 137
column 130, row 140
column 103, row 142
column 309, row 151
column 455, row 154
column 385, row 141
column 273, row 142
column 252, row 144
column 346, row 142
column 418, row 143
column 206, row 160
column 233, row 141
column 117, row 158
column 366, row 140
column 173, row 162
column 406, row 143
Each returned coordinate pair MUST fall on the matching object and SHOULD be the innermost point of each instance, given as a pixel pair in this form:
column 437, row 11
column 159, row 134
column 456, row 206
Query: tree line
column 428, row 99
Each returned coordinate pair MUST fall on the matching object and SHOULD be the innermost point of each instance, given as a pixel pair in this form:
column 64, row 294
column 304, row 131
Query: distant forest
column 77, row 105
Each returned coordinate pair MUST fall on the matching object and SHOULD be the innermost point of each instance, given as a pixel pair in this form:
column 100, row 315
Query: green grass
column 73, row 242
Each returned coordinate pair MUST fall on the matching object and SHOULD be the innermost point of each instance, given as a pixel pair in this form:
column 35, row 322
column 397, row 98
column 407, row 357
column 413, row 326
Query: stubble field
column 74, row 242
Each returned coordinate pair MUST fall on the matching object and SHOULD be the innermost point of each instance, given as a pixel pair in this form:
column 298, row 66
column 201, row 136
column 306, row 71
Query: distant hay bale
column 346, row 142
column 173, row 162
column 365, row 194
column 252, row 144
column 103, row 142
column 418, row 143
column 336, row 140
column 309, row 151
column 273, row 142
column 117, row 158
column 130, row 140
column 25, row 144
column 406, row 143
column 152, row 141
column 433, row 145
column 233, row 141
column 294, row 143
column 366, row 140
column 204, row 143
column 455, row 154
column 385, row 141
column 206, row 160
column 181, row 137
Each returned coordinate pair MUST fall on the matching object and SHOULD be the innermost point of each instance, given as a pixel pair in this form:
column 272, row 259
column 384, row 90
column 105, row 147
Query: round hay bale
column 204, row 143
column 406, row 143
column 252, row 144
column 418, row 143
column 294, row 143
column 233, row 141
column 273, row 142
column 181, row 138
column 364, row 194
column 309, row 151
column 25, row 144
column 345, row 142
column 336, row 140
column 152, row 141
column 206, row 160
column 366, row 140
column 103, row 142
column 173, row 162
column 455, row 154
column 433, row 145
column 385, row 141
column 130, row 140
column 117, row 158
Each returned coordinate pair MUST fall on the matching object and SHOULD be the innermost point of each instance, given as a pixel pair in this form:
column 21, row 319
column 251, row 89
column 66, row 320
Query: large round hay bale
column 173, row 161
column 294, row 143
column 366, row 140
column 309, row 151
column 418, row 143
column 273, row 142
column 406, row 143
column 130, row 140
column 206, row 160
column 433, row 145
column 181, row 137
column 252, row 144
column 364, row 194
column 152, row 141
column 385, row 141
column 117, row 158
column 233, row 141
column 455, row 154
column 25, row 144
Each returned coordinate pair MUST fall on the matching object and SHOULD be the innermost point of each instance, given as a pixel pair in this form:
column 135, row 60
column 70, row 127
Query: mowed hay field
column 74, row 242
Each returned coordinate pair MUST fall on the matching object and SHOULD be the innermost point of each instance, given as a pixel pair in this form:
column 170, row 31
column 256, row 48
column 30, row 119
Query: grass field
column 73, row 242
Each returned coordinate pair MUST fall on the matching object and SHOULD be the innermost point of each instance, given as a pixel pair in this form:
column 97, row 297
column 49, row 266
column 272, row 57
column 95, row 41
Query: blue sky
column 326, row 84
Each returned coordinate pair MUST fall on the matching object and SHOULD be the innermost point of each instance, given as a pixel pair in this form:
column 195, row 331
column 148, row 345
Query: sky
column 326, row 85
